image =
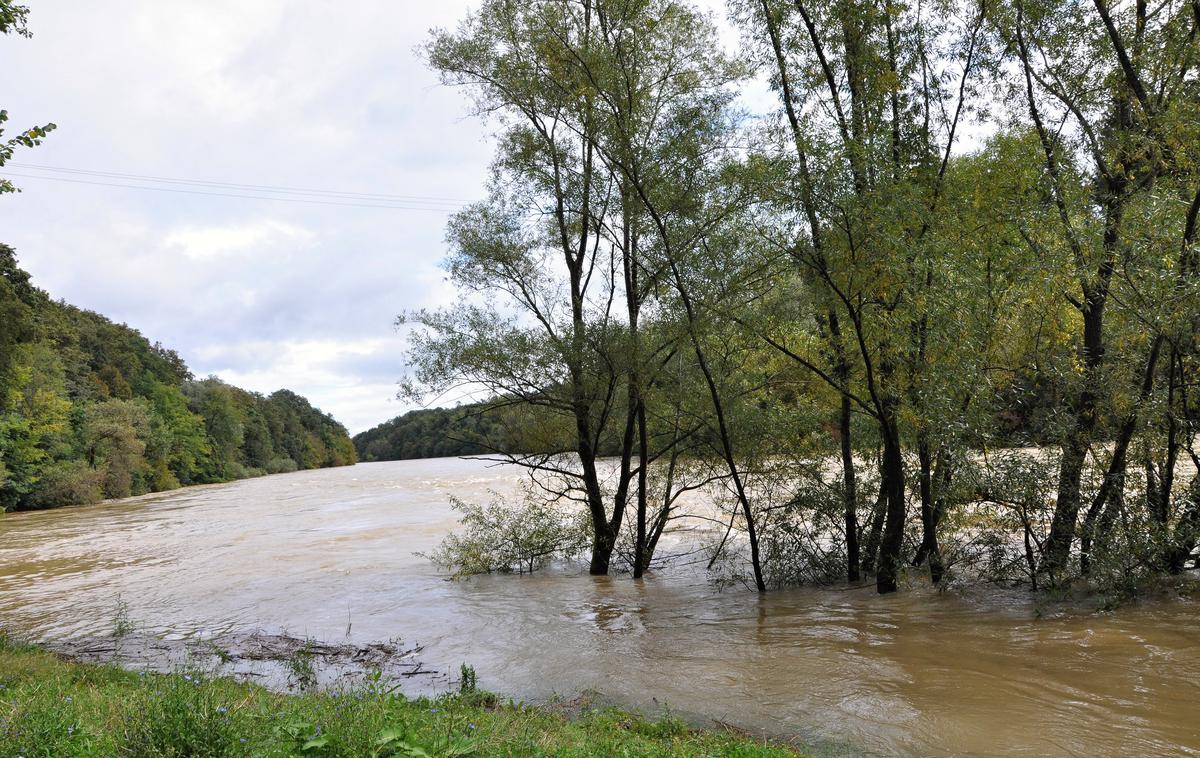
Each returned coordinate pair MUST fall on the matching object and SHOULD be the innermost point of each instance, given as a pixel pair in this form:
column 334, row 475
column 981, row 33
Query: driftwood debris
column 269, row 659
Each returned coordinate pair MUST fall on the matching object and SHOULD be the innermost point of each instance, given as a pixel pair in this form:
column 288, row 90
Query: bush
column 68, row 483
column 237, row 471
column 281, row 466
column 505, row 537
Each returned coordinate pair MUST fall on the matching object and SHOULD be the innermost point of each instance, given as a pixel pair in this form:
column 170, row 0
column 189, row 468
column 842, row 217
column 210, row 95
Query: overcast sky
column 303, row 94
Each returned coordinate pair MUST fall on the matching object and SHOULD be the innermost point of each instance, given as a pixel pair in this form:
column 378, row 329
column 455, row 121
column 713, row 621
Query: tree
column 550, row 242
column 13, row 21
column 871, row 131
column 114, row 434
column 90, row 408
column 1121, row 80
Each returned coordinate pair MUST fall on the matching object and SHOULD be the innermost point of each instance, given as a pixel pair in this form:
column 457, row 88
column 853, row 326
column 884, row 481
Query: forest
column 434, row 433
column 499, row 425
column 935, row 306
column 90, row 410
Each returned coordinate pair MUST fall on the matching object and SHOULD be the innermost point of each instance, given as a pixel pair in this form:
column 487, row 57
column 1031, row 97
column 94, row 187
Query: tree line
column 90, row 409
column 435, row 433
column 965, row 226
column 472, row 429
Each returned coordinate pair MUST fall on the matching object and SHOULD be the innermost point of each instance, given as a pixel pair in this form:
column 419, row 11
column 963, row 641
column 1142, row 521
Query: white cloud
column 272, row 237
column 292, row 93
column 357, row 377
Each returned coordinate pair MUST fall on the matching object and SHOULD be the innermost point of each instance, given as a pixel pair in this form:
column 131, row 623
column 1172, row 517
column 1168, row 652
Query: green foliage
column 475, row 429
column 850, row 269
column 31, row 137
column 122, row 625
column 468, row 680
column 13, row 21
column 504, row 537
column 183, row 714
column 281, row 466
column 90, row 409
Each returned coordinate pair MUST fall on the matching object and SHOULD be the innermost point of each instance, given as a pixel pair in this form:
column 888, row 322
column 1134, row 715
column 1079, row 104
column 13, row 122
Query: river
column 330, row 554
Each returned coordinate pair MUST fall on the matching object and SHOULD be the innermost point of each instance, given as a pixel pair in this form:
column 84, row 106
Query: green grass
column 54, row 707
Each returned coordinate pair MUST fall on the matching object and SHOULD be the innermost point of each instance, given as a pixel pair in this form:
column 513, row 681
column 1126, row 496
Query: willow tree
column 874, row 97
column 606, row 186
column 667, row 133
column 1111, row 92
column 545, row 262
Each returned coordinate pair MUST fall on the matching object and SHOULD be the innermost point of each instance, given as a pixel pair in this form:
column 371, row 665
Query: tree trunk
column 849, row 494
column 641, row 557
column 1114, row 478
column 892, row 545
column 1074, row 449
column 870, row 550
column 723, row 432
column 925, row 488
column 937, row 470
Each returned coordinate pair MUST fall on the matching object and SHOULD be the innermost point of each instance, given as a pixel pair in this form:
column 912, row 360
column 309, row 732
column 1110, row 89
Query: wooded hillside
column 90, row 409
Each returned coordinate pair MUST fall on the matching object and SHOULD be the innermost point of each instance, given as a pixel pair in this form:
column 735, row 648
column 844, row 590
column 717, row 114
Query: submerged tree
column 593, row 203
column 874, row 101
column 1111, row 93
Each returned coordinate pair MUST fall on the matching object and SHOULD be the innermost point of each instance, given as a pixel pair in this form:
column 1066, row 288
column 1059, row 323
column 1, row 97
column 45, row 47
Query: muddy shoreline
column 277, row 661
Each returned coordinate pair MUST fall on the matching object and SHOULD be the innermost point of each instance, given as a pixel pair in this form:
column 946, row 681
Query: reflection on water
column 320, row 552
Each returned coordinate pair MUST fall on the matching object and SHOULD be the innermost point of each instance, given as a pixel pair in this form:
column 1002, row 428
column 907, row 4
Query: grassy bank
column 54, row 707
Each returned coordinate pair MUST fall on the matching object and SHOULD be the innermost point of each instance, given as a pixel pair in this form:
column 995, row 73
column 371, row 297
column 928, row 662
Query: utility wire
column 236, row 185
column 398, row 204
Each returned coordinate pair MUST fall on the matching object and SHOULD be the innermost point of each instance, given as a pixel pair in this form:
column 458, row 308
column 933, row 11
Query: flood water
column 330, row 554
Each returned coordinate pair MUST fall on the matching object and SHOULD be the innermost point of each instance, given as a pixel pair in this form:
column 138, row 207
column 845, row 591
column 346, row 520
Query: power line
column 395, row 206
column 240, row 186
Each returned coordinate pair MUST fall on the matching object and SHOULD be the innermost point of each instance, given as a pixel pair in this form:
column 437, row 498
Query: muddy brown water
column 329, row 554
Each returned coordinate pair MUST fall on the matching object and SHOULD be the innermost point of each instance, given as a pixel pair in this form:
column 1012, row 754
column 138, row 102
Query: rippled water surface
column 330, row 553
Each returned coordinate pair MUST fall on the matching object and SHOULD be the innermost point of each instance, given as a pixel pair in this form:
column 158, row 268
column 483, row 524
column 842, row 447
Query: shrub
column 68, row 483
column 281, row 466
column 505, row 537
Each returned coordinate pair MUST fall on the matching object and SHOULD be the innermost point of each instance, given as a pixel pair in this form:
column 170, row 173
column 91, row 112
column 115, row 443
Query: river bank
column 57, row 707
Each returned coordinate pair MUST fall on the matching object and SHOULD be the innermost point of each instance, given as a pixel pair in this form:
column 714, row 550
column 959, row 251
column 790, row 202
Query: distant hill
column 90, row 409
column 431, row 433
column 476, row 429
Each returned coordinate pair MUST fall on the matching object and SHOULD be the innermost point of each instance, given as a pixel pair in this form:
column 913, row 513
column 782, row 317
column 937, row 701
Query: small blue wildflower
column 433, row 710
column 470, row 726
